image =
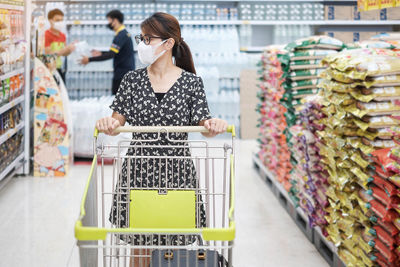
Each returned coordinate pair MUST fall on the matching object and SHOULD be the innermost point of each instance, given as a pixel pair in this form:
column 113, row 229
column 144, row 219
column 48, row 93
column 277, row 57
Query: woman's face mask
column 147, row 53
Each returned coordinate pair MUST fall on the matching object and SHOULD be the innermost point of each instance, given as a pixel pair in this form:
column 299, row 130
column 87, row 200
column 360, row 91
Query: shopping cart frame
column 89, row 235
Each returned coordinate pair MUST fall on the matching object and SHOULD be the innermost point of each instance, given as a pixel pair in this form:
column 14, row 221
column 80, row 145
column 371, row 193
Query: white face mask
column 59, row 26
column 147, row 52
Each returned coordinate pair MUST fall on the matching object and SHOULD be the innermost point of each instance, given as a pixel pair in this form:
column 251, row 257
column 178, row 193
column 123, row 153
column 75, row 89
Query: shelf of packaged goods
column 137, row 22
column 314, row 234
column 11, row 104
column 12, row 74
column 258, row 22
column 325, row 22
column 15, row 163
column 252, row 49
column 208, row 1
column 12, row 7
column 7, row 135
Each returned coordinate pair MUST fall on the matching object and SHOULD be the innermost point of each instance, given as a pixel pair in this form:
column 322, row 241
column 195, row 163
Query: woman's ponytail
column 183, row 57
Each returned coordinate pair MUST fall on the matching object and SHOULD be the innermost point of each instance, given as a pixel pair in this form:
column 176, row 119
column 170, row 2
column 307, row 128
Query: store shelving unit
column 12, row 73
column 12, row 104
column 15, row 164
column 256, row 22
column 21, row 163
column 12, row 7
column 314, row 234
column 4, row 137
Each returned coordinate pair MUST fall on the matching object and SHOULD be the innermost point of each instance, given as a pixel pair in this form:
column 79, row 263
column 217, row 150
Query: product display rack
column 21, row 163
column 314, row 234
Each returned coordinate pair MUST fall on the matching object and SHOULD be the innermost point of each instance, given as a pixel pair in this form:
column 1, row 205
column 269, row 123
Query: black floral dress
column 184, row 104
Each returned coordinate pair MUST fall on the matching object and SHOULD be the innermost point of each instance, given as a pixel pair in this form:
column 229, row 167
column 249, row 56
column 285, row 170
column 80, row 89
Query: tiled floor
column 37, row 217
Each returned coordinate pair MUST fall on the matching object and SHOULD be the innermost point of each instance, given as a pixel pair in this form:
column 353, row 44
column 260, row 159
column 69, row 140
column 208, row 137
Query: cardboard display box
column 248, row 102
column 351, row 37
column 336, row 12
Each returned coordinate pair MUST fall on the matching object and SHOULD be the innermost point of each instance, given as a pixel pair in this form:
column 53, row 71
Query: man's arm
column 104, row 56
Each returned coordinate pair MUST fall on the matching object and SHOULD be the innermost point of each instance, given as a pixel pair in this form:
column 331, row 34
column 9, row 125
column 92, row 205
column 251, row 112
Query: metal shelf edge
column 258, row 22
column 298, row 209
column 10, row 167
column 12, row 104
column 12, row 73
column 12, row 7
column 7, row 135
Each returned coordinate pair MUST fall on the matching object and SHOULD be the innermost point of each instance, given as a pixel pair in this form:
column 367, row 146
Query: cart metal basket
column 150, row 209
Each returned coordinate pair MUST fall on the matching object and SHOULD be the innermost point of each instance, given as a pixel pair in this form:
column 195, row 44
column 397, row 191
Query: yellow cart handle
column 173, row 129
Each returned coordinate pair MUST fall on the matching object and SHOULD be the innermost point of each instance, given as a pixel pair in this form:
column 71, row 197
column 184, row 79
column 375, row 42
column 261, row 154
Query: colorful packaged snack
column 388, row 254
column 316, row 42
column 389, row 227
column 382, row 212
column 308, row 54
column 385, row 185
column 385, row 237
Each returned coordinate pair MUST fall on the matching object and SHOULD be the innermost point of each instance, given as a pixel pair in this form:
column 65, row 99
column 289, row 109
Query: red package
column 383, row 262
column 383, row 173
column 389, row 188
column 382, row 156
column 384, row 198
column 388, row 254
column 385, row 237
column 382, row 212
column 389, row 227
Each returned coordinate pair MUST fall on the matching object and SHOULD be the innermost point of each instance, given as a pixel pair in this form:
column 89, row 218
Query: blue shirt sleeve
column 118, row 42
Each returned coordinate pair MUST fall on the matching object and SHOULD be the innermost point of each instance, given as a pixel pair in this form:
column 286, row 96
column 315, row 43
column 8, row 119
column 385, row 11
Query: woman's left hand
column 215, row 126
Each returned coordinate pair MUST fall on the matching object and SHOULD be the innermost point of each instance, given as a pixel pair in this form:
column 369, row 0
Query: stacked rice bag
column 392, row 38
column 359, row 89
column 301, row 66
column 309, row 174
column 274, row 151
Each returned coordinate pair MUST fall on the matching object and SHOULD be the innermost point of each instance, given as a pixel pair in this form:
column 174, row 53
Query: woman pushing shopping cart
column 171, row 199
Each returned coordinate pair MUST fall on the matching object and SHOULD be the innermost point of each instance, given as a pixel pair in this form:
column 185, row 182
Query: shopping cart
column 162, row 221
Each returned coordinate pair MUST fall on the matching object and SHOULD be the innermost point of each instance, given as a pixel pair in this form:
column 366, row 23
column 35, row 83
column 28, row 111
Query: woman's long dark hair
column 167, row 26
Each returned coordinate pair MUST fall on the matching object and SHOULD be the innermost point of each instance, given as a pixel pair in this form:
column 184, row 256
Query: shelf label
column 245, row 22
column 76, row 22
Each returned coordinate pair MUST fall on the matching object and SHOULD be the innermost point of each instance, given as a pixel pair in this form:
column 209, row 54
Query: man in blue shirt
column 121, row 49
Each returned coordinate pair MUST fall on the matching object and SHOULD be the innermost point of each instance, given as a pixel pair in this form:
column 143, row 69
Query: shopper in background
column 167, row 92
column 121, row 49
column 55, row 40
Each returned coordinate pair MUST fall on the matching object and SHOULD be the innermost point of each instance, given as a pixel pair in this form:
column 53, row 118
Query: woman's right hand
column 108, row 125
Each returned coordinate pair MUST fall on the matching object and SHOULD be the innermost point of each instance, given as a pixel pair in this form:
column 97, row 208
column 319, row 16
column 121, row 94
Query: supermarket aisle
column 37, row 218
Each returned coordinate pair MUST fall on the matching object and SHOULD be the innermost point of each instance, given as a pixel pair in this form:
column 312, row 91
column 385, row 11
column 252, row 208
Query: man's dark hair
column 116, row 14
column 54, row 12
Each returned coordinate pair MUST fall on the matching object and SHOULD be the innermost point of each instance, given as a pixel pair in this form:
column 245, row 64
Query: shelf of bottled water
column 140, row 11
column 284, row 34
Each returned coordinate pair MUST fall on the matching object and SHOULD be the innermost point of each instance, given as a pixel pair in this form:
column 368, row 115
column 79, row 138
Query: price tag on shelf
column 76, row 22
column 245, row 22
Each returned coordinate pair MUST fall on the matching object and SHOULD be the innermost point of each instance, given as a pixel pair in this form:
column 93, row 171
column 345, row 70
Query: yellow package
column 377, row 94
column 348, row 258
column 339, row 98
column 358, row 64
column 334, row 234
column 359, row 160
column 377, row 144
column 377, row 81
column 334, row 86
column 357, row 237
column 346, row 225
column 376, row 122
column 365, row 259
column 373, row 109
column 359, row 214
